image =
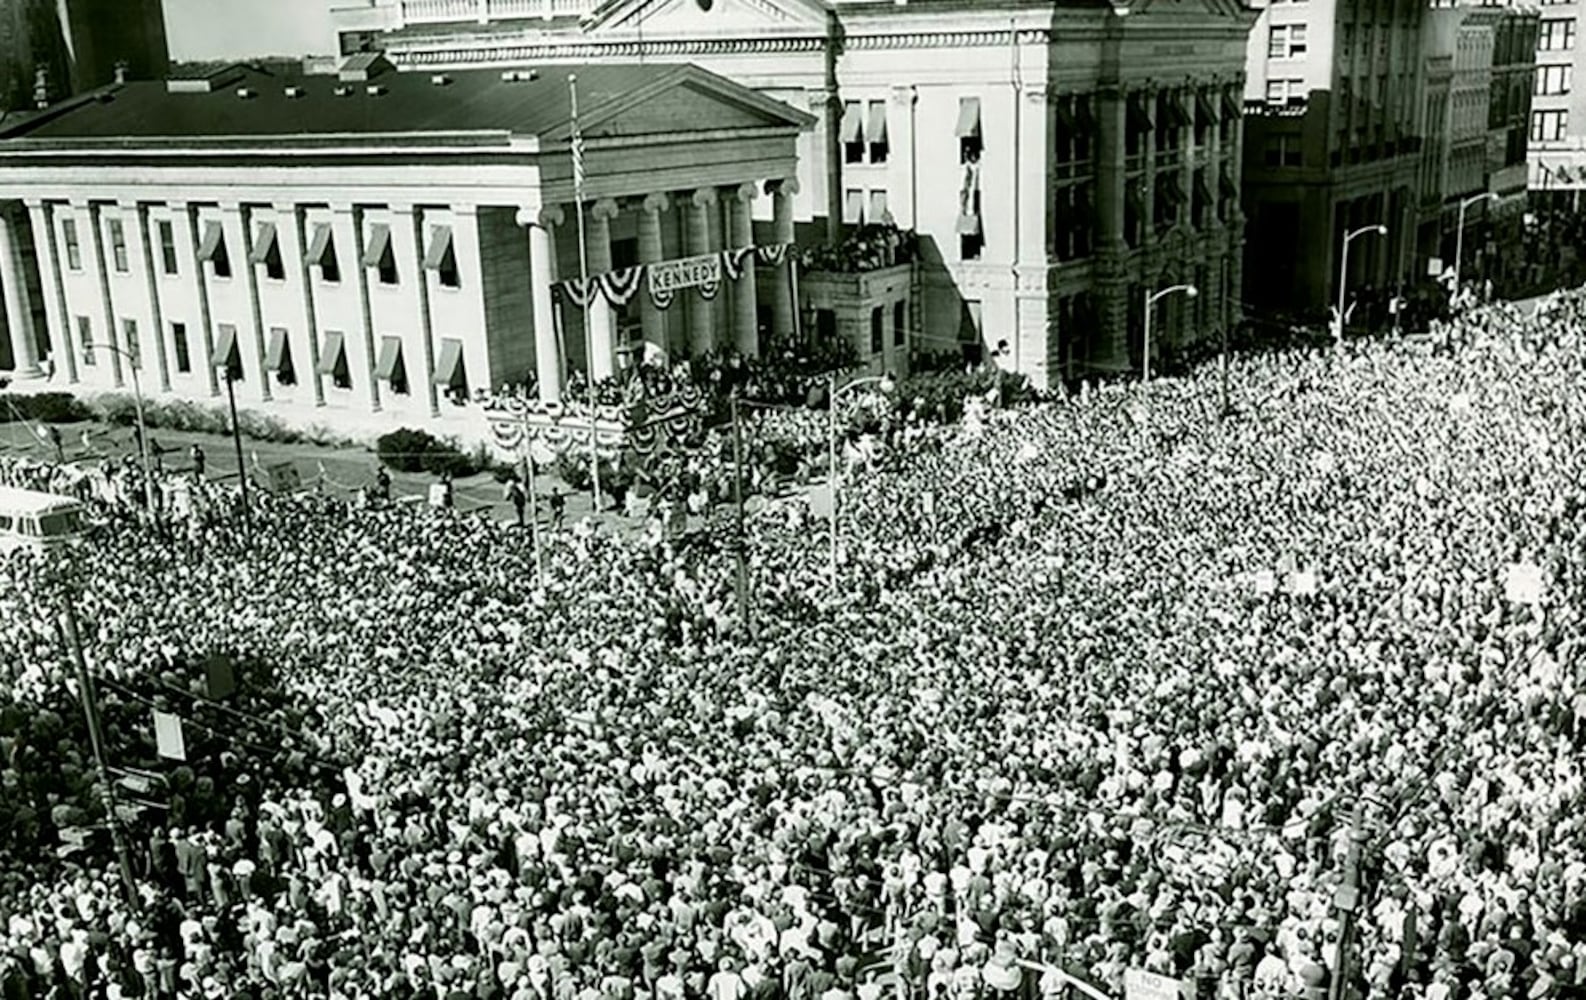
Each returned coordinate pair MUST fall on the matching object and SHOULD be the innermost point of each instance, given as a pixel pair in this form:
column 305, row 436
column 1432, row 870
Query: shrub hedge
column 407, row 449
column 47, row 407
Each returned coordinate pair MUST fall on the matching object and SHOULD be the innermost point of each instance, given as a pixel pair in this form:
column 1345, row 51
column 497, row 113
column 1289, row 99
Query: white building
column 373, row 243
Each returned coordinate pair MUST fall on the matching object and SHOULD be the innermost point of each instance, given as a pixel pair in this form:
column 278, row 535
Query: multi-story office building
column 370, row 247
column 1333, row 143
column 1476, row 146
column 1558, row 116
column 1058, row 160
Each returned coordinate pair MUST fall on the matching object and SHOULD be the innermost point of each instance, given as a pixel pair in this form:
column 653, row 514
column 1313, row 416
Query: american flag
column 578, row 138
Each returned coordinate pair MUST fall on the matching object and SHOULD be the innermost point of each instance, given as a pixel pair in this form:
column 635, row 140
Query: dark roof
column 473, row 101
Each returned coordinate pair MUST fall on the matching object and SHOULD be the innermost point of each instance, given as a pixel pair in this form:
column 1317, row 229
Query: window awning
column 1064, row 107
column 1168, row 189
column 1231, row 105
column 878, row 207
column 320, row 245
column 263, row 243
column 853, row 122
column 854, row 206
column 378, row 246
column 1226, row 185
column 278, row 355
column 390, row 357
column 876, row 130
column 333, row 355
column 1084, row 114
column 1139, row 115
column 226, row 354
column 968, row 225
column 214, row 238
column 968, row 118
column 449, row 366
column 1204, row 105
column 440, row 247
column 1203, row 190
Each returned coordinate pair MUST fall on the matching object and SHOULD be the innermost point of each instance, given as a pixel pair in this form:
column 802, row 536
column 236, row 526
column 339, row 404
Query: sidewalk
column 346, row 470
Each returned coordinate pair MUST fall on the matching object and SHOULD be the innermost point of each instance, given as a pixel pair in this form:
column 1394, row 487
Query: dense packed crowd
column 1098, row 685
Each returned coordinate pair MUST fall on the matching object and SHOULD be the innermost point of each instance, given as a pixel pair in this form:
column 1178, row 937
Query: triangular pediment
column 1188, row 9
column 688, row 99
column 662, row 18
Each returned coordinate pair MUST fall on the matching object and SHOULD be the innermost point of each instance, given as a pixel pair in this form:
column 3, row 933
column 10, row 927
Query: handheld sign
column 1139, row 984
column 1523, row 583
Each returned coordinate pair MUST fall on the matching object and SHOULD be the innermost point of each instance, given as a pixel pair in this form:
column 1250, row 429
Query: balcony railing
column 480, row 11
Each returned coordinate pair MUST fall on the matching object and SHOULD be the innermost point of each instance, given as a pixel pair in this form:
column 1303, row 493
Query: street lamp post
column 231, row 373
column 833, row 390
column 1190, row 291
column 1343, row 275
column 143, row 431
column 1459, row 234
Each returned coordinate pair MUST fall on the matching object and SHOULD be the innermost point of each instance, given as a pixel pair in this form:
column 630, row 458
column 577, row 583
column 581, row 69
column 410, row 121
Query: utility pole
column 739, row 542
column 85, row 690
column 236, row 439
column 1347, row 902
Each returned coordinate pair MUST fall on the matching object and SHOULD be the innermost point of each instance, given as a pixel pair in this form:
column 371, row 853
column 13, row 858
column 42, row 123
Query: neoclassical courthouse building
column 379, row 231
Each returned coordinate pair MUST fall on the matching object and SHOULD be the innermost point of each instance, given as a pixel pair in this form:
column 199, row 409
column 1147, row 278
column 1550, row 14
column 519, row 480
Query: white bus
column 38, row 521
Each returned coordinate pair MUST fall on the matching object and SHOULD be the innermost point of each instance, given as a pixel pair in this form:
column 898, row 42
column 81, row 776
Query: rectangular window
column 74, row 250
column 878, row 320
column 85, row 336
column 900, row 320
column 853, row 207
column 1286, row 41
column 1552, row 81
column 876, row 131
column 184, row 359
column 968, row 130
column 167, row 234
column 853, row 132
column 118, row 246
column 442, row 258
column 1548, row 126
column 129, row 334
column 825, row 326
column 1557, row 35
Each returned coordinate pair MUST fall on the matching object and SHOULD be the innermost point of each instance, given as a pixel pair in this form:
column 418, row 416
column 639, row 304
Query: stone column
column 241, row 218
column 188, row 220
column 55, row 310
column 745, row 296
column 18, row 304
column 138, row 214
column 601, row 317
column 292, row 239
column 701, row 311
column 349, row 221
column 542, row 274
column 109, row 333
column 1112, row 283
column 901, row 166
column 1148, row 196
column 409, row 218
column 1234, row 153
column 650, row 252
column 782, row 304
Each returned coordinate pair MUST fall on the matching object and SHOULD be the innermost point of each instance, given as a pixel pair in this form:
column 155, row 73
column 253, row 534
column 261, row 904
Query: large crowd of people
column 1094, row 686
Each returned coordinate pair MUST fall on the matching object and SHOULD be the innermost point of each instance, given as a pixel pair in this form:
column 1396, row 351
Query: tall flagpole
column 577, row 146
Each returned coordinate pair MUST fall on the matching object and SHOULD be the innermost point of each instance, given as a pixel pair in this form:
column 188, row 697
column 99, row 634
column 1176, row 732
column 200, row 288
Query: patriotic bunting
column 732, row 261
column 621, row 285
column 578, row 291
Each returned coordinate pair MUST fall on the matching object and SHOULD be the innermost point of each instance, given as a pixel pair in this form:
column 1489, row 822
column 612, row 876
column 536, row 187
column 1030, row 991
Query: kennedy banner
column 687, row 272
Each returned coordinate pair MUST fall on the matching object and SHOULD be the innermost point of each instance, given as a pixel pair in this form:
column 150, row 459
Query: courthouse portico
column 378, row 242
